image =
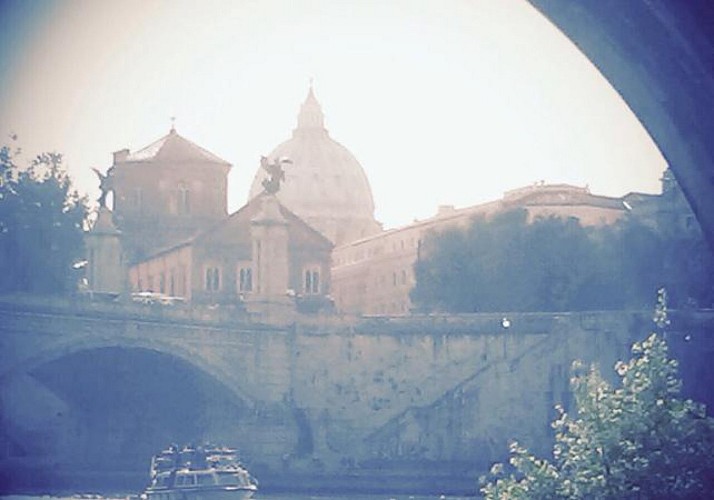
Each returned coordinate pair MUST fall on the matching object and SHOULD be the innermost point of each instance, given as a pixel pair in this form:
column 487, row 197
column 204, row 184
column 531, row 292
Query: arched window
column 312, row 282
column 245, row 279
column 315, row 282
column 138, row 198
column 172, row 283
column 182, row 281
column 184, row 199
column 213, row 279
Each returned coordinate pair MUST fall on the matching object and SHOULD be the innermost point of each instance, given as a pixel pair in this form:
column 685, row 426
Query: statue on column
column 276, row 174
column 105, row 186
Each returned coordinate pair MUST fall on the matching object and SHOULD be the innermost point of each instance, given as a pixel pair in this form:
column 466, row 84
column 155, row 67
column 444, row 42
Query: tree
column 640, row 440
column 41, row 225
column 508, row 263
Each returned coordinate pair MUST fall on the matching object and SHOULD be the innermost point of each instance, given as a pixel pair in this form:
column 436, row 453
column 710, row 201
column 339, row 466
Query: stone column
column 271, row 257
column 105, row 266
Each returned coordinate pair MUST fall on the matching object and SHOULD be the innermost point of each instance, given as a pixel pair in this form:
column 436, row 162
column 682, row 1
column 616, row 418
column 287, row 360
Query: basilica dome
column 324, row 185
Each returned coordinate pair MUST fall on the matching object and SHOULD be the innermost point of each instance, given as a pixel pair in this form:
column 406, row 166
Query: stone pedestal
column 271, row 261
column 105, row 266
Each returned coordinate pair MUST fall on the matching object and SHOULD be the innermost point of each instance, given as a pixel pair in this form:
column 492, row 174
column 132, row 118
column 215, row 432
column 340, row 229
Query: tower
column 166, row 192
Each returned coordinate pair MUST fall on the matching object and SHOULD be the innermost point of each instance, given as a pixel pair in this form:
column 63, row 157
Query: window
column 245, row 279
column 213, row 279
column 228, row 478
column 138, row 198
column 205, row 479
column 182, row 281
column 184, row 199
column 162, row 283
column 312, row 281
column 172, row 283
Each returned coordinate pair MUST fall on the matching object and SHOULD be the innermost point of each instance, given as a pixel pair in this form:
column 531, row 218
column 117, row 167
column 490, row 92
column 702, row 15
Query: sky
column 448, row 102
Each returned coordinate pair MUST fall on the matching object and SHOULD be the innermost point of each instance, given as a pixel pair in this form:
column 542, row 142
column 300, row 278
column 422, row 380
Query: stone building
column 166, row 193
column 375, row 275
column 263, row 253
column 563, row 200
column 169, row 218
column 325, row 185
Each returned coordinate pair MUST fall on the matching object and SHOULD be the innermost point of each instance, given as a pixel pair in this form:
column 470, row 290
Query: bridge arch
column 191, row 354
column 106, row 407
column 54, row 359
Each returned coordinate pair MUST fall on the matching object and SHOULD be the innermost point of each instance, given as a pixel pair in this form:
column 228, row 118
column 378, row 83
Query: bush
column 640, row 440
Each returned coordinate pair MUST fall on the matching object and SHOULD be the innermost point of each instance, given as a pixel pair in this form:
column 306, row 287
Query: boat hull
column 200, row 494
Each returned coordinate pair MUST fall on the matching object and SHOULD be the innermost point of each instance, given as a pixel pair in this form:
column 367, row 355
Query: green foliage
column 640, row 440
column 506, row 263
column 41, row 225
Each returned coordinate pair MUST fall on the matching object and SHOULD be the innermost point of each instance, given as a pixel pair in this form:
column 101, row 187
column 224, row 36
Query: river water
column 259, row 496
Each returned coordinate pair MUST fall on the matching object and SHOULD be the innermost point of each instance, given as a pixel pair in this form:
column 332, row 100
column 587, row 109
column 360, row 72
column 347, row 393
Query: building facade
column 261, row 253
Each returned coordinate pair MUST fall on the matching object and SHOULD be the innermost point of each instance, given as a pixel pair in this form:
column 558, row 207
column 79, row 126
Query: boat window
column 205, row 479
column 180, row 480
column 228, row 478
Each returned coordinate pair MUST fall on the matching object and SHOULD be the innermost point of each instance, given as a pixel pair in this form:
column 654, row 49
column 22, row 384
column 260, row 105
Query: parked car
column 156, row 298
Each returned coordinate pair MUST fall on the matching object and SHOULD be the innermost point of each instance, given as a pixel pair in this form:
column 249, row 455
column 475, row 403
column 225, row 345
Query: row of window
column 369, row 251
column 183, row 199
column 359, row 285
column 311, row 283
column 174, row 284
column 392, row 308
column 213, row 279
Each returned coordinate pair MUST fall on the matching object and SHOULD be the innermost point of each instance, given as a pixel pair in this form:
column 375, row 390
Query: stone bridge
column 91, row 388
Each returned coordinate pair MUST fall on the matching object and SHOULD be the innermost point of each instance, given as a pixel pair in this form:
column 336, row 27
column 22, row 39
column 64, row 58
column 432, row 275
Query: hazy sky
column 442, row 102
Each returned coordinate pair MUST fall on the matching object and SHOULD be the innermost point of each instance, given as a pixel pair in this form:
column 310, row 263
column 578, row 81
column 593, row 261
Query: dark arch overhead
column 659, row 55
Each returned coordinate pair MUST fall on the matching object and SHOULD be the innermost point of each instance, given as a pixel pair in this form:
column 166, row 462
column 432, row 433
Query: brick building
column 262, row 252
column 166, row 193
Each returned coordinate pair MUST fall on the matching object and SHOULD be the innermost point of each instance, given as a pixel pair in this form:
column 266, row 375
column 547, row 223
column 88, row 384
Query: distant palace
column 310, row 242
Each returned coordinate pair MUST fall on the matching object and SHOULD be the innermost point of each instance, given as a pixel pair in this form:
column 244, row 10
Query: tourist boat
column 199, row 474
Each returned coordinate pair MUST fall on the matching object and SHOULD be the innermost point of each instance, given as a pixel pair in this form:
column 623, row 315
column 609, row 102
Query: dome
column 324, row 185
